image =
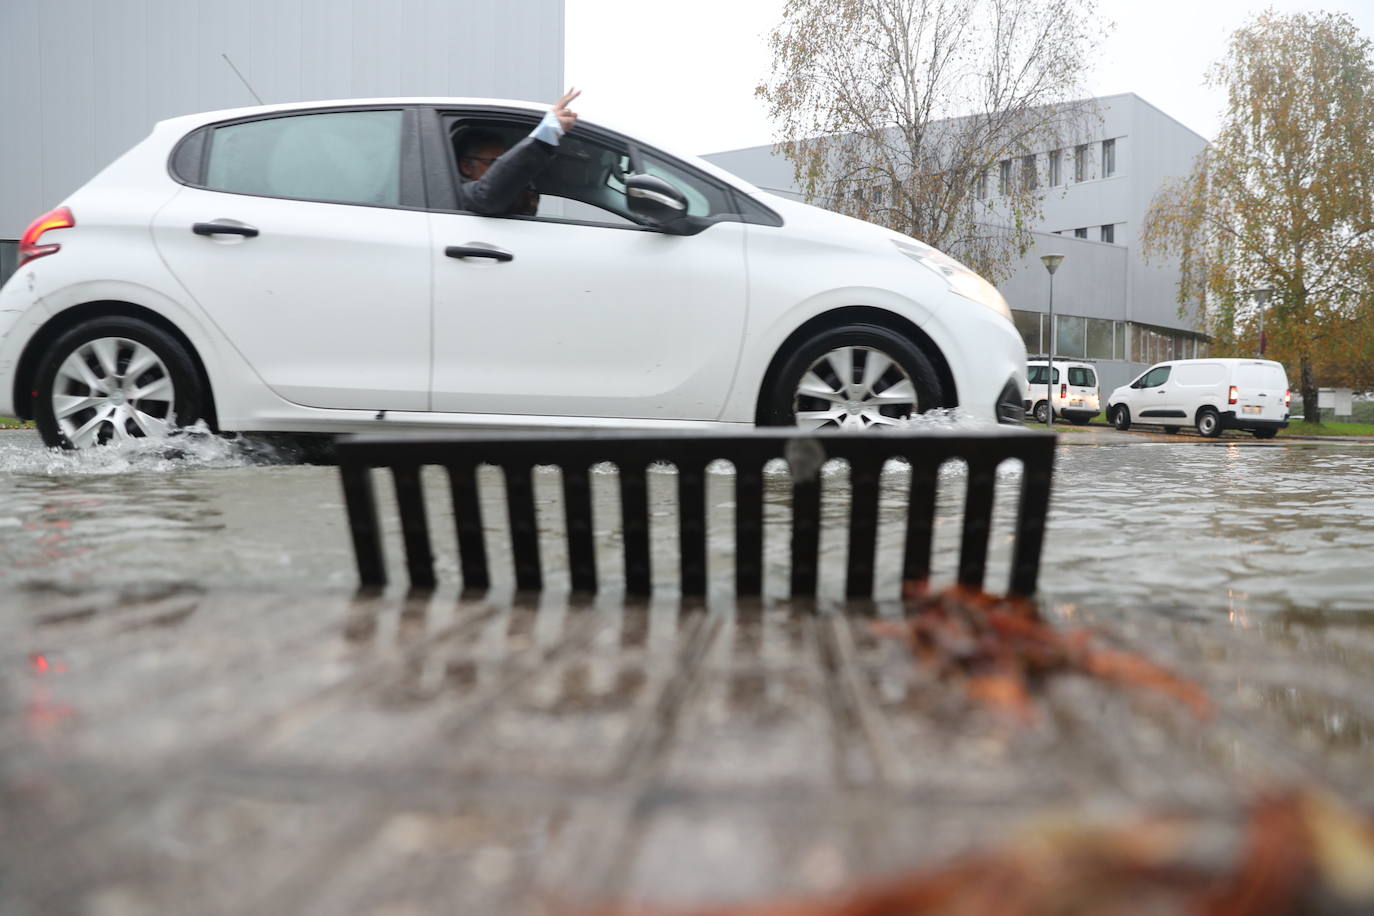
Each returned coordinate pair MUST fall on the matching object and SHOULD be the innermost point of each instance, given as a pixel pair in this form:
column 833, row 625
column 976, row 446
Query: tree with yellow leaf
column 1283, row 201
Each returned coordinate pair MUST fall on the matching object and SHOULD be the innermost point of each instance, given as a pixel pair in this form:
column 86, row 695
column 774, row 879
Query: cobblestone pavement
column 197, row 714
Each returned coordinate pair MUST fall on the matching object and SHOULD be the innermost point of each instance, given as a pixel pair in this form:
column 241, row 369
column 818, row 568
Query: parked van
column 1073, row 387
column 1210, row 394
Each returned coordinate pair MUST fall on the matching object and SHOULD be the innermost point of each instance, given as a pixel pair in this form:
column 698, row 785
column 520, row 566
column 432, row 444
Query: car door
column 1154, row 399
column 306, row 243
column 579, row 310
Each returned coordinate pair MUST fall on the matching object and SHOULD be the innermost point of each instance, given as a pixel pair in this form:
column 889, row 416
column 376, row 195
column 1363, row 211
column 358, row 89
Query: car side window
column 351, row 157
column 705, row 198
column 1155, row 377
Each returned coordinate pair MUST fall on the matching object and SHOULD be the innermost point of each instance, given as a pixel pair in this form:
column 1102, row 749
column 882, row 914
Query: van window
column 1037, row 375
column 1082, row 377
column 1155, row 377
column 1260, row 376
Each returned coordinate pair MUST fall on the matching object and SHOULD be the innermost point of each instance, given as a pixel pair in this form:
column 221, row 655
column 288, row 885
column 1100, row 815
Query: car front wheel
column 112, row 380
column 853, row 377
column 1121, row 417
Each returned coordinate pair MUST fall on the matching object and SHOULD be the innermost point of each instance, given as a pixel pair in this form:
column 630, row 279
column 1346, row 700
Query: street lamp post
column 1262, row 298
column 1051, row 262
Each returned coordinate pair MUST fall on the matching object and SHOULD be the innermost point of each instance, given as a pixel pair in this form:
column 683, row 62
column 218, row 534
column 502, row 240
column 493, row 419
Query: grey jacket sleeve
column 497, row 192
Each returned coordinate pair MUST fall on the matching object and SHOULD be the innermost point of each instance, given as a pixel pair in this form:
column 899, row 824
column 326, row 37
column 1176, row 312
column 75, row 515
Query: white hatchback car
column 305, row 269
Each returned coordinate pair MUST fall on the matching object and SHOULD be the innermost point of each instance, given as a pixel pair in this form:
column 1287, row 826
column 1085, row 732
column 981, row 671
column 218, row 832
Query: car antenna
column 241, row 76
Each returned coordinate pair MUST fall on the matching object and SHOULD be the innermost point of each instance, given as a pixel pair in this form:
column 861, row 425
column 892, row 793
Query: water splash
column 192, row 448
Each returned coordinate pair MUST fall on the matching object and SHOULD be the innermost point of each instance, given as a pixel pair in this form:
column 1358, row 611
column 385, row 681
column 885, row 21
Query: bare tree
column 919, row 115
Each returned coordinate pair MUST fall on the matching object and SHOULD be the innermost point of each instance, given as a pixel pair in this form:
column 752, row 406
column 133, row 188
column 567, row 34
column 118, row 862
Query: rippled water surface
column 1189, row 528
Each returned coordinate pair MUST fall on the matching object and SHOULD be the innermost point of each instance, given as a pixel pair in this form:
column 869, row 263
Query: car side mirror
column 656, row 201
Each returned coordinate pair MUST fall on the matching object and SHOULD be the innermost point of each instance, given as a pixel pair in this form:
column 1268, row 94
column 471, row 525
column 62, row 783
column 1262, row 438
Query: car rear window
column 1260, row 376
column 340, row 157
column 1082, row 377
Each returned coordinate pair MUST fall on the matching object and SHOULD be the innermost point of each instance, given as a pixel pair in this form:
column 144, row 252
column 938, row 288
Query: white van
column 1211, row 394
column 1073, row 390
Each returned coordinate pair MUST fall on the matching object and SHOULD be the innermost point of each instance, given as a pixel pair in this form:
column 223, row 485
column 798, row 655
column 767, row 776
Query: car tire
column 1042, row 413
column 1121, row 417
column 114, row 379
column 875, row 394
column 1264, row 433
column 1208, row 423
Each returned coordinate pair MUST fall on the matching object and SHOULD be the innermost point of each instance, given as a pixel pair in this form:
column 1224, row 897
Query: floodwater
column 1177, row 526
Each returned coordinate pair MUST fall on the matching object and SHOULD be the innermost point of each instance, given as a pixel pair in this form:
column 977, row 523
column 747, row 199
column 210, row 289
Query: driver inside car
column 496, row 180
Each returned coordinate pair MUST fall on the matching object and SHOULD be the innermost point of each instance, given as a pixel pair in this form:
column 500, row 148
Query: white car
column 1211, row 394
column 1072, row 389
column 304, row 268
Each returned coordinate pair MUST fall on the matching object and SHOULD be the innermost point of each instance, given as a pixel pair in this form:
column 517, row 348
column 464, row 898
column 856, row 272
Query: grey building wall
column 1103, row 280
column 81, row 81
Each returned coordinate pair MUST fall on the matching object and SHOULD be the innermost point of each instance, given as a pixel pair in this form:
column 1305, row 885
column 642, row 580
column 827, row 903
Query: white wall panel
column 83, row 80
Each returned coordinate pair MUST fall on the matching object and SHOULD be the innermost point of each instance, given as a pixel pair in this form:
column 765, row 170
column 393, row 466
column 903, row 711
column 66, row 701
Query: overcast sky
column 684, row 73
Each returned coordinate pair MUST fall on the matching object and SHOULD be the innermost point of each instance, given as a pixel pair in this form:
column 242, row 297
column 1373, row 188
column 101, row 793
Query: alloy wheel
column 854, row 388
column 112, row 389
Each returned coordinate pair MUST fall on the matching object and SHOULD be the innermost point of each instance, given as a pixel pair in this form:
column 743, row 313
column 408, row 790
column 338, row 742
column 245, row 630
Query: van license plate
column 1252, row 408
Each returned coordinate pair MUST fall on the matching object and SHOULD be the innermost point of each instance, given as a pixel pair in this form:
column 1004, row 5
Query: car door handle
column 475, row 251
column 247, row 232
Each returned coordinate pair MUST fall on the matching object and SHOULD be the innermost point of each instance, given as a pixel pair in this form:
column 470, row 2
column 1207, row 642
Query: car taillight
column 29, row 249
column 1288, row 399
column 1233, row 396
column 1063, row 390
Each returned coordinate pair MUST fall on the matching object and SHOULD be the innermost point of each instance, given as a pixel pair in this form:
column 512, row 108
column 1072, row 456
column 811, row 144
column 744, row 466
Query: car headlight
column 961, row 280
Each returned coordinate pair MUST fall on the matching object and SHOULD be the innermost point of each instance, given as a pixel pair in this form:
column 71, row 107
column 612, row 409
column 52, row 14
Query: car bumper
column 1229, row 420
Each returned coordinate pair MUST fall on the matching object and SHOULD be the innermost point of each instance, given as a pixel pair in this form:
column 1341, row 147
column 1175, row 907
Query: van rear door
column 1082, row 388
column 1260, row 387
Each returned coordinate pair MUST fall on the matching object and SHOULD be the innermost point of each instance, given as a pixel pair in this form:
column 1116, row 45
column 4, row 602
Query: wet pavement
column 195, row 706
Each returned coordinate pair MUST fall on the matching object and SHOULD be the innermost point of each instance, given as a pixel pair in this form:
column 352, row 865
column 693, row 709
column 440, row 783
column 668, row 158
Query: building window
column 1100, row 332
column 980, row 185
column 1029, row 179
column 1108, row 158
column 1004, row 178
column 1080, row 163
column 1054, row 168
column 1028, row 323
column 9, row 259
column 1081, row 232
column 1070, row 336
column 1109, row 233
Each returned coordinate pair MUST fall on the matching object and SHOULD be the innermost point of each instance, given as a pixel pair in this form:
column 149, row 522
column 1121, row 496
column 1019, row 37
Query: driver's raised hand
column 566, row 117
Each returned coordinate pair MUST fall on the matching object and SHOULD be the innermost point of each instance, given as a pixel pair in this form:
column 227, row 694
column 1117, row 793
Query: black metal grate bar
column 577, row 502
column 410, row 501
column 920, row 519
column 749, row 526
column 691, row 500
column 806, row 534
column 864, row 475
column 524, row 527
column 691, row 452
column 634, row 511
column 362, row 519
column 973, row 548
column 467, row 517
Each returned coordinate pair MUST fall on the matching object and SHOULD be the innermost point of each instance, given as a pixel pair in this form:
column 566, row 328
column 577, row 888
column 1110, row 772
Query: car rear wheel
column 1208, row 423
column 853, row 377
column 113, row 380
column 1121, row 417
column 1042, row 412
